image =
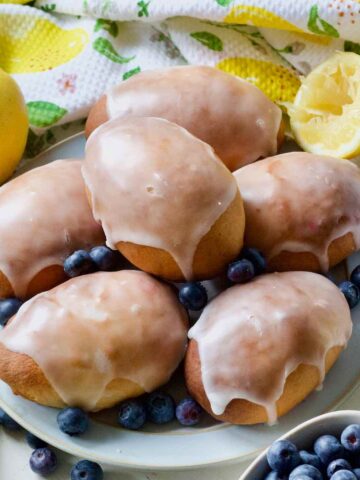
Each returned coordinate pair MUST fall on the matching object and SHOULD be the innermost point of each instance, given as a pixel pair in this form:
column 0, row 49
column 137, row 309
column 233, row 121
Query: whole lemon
column 14, row 126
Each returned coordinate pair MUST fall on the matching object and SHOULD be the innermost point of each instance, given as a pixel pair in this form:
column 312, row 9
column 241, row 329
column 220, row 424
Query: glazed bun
column 44, row 217
column 228, row 113
column 302, row 210
column 164, row 198
column 260, row 348
column 94, row 340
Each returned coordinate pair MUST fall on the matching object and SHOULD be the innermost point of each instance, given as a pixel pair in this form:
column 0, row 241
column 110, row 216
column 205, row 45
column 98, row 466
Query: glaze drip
column 100, row 327
column 251, row 337
column 44, row 216
column 152, row 183
column 231, row 115
column 299, row 202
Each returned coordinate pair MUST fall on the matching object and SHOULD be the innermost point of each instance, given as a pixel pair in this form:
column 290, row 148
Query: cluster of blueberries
column 43, row 460
column 157, row 407
column 332, row 458
column 351, row 289
column 252, row 262
column 192, row 295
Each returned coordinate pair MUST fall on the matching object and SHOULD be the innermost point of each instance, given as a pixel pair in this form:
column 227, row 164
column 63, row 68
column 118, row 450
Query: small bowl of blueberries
column 323, row 448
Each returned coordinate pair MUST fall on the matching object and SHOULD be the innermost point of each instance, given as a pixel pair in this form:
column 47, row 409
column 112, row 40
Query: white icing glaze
column 231, row 115
column 299, row 202
column 44, row 216
column 251, row 337
column 152, row 183
column 100, row 327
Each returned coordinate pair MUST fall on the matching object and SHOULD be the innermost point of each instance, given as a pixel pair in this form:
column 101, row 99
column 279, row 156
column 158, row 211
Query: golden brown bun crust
column 26, row 378
column 220, row 246
column 298, row 386
column 97, row 116
column 338, row 250
column 46, row 279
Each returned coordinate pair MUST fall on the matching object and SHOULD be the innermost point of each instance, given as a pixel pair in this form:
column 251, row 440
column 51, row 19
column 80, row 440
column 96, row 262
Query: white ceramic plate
column 304, row 436
column 175, row 447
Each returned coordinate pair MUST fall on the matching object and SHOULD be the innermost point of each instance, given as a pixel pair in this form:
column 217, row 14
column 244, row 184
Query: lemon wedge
column 325, row 115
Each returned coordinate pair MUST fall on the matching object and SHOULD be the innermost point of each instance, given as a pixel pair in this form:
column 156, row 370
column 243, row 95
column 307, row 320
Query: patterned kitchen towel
column 65, row 53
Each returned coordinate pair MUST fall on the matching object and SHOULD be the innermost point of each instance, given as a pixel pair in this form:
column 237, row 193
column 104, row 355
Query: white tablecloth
column 14, row 465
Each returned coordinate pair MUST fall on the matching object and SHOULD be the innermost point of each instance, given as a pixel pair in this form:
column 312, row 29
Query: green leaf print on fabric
column 318, row 25
column 208, row 39
column 49, row 7
column 108, row 25
column 105, row 6
column 352, row 47
column 224, row 3
column 104, row 47
column 44, row 114
column 143, row 8
column 130, row 73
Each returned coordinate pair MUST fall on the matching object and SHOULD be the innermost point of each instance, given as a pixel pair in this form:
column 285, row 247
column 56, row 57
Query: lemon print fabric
column 259, row 17
column 16, row 2
column 325, row 115
column 276, row 81
column 32, row 44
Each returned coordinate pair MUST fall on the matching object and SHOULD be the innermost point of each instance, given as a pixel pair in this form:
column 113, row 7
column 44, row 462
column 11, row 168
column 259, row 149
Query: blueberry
column 355, row 276
column 43, row 461
column 132, row 415
column 256, row 258
column 73, row 421
column 310, row 459
column 7, row 422
column 8, row 308
column 328, row 448
column 356, row 472
column 188, row 412
column 34, row 442
column 307, row 471
column 335, row 465
column 283, row 456
column 274, row 476
column 351, row 293
column 193, row 296
column 350, row 438
column 86, row 470
column 241, row 271
column 105, row 259
column 160, row 408
column 79, row 263
column 302, row 477
column 343, row 475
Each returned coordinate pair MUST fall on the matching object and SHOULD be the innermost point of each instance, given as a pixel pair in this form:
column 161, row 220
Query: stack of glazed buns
column 169, row 181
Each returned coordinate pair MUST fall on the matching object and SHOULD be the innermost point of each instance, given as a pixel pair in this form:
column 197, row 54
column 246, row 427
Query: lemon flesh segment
column 13, row 126
column 325, row 115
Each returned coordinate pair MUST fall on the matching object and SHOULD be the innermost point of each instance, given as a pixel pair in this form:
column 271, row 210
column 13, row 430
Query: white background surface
column 14, row 465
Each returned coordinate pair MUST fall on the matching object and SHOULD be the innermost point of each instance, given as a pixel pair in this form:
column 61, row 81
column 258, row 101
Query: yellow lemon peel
column 13, row 126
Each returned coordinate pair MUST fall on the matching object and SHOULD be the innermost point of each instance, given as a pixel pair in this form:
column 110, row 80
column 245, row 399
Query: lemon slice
column 325, row 115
